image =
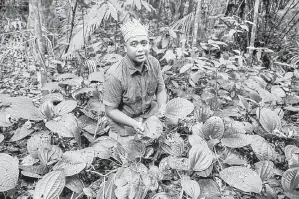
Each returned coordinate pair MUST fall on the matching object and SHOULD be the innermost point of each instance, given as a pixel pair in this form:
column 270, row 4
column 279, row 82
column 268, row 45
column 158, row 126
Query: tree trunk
column 39, row 47
column 182, row 9
column 197, row 21
column 190, row 8
column 254, row 27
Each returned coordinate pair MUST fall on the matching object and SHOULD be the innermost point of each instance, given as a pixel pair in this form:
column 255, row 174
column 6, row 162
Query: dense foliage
column 231, row 125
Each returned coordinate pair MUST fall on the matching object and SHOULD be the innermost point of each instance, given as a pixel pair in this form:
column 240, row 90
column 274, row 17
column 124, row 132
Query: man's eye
column 144, row 43
column 133, row 44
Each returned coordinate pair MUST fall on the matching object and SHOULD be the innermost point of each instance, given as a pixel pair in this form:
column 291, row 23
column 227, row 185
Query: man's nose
column 139, row 47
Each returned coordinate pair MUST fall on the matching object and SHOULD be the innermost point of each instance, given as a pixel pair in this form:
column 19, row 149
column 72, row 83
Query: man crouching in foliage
column 134, row 88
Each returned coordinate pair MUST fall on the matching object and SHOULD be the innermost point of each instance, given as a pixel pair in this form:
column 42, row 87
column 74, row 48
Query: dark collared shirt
column 131, row 90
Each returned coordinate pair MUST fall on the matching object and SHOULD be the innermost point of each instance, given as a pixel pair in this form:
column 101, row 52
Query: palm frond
column 92, row 20
column 184, row 24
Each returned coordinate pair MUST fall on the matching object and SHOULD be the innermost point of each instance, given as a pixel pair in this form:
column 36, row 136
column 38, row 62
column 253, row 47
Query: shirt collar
column 131, row 67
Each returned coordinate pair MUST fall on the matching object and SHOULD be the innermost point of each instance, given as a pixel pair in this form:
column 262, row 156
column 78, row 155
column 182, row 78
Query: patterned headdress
column 133, row 28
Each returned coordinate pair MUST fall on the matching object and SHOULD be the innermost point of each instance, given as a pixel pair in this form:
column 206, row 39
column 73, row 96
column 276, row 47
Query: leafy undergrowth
column 229, row 132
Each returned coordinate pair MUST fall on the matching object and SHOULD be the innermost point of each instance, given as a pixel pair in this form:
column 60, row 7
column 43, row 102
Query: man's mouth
column 140, row 56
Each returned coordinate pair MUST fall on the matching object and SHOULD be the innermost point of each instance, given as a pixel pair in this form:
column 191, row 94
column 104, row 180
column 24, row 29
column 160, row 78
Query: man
column 132, row 84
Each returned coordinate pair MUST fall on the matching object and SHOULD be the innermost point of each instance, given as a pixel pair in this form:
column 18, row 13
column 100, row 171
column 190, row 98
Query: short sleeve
column 161, row 84
column 112, row 92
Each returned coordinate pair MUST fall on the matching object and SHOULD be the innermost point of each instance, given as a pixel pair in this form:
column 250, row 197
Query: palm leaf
column 93, row 20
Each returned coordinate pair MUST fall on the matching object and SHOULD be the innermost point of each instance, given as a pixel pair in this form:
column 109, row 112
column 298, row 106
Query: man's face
column 137, row 48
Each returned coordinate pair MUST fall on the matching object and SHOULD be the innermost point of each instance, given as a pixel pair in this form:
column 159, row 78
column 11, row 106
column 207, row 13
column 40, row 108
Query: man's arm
column 112, row 99
column 162, row 99
column 119, row 117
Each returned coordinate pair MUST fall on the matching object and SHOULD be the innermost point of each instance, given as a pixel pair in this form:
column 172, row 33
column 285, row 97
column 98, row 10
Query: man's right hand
column 138, row 127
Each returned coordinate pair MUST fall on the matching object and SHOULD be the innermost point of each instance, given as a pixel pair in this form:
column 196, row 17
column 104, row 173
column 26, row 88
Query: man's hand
column 162, row 110
column 138, row 127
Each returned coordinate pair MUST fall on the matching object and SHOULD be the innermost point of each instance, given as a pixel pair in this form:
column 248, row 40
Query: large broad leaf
column 200, row 157
column 50, row 86
column 34, row 171
column 265, row 169
column 172, row 144
column 270, row 192
column 213, row 128
column 242, row 178
column 195, row 139
column 165, row 169
column 49, row 154
column 197, row 129
column 236, row 138
column 90, row 125
column 290, row 180
column 9, row 170
column 153, row 127
column 209, row 188
column 74, row 183
column 71, row 82
column 67, row 76
column 205, row 173
column 268, row 119
column 107, row 188
column 103, row 147
column 88, row 154
column 4, row 120
column 163, row 195
column 97, row 76
column 47, row 109
column 191, row 187
column 186, row 67
column 29, row 161
column 53, row 97
column 21, row 133
column 71, row 163
column 178, row 108
column 129, row 184
column 50, row 186
column 234, row 159
column 81, row 91
column 263, row 150
column 94, row 105
column 65, row 127
column 65, row 107
column 178, row 163
column 290, row 150
column 22, row 107
column 134, row 149
column 36, row 141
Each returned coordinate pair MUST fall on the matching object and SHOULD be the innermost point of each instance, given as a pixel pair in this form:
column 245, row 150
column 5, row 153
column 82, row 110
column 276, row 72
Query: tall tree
column 35, row 24
column 254, row 27
column 197, row 21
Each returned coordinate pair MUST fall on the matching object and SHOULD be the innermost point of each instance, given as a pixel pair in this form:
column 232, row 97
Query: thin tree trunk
column 190, row 8
column 197, row 21
column 182, row 9
column 244, row 17
column 39, row 47
column 177, row 6
column 254, row 27
column 72, row 26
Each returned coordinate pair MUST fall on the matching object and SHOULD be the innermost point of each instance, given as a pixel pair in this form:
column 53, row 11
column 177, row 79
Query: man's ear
column 125, row 47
